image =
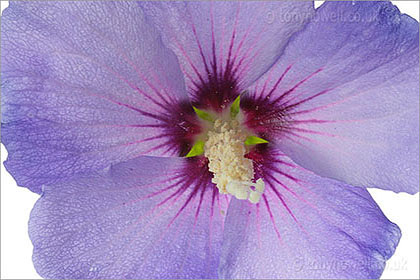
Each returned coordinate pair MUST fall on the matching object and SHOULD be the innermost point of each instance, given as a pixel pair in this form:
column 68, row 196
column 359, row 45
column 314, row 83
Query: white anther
column 243, row 190
column 232, row 172
column 259, row 186
column 254, row 197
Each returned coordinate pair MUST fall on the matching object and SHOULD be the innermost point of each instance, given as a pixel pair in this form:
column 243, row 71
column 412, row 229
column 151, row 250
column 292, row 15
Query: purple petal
column 306, row 227
column 223, row 38
column 144, row 219
column 349, row 86
column 84, row 84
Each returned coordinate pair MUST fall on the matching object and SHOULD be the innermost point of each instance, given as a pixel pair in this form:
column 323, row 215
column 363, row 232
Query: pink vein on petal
column 289, row 91
column 267, row 205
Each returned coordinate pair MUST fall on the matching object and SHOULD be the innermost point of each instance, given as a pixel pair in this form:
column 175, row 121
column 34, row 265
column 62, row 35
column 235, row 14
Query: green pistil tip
column 196, row 150
column 254, row 140
column 203, row 115
column 234, row 108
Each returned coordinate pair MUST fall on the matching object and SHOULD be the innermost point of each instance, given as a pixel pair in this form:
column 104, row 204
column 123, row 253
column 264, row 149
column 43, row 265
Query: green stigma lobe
column 203, row 115
column 234, row 108
column 196, row 150
column 254, row 140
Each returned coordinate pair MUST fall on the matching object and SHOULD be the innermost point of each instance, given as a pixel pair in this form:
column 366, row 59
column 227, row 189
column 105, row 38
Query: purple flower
column 210, row 139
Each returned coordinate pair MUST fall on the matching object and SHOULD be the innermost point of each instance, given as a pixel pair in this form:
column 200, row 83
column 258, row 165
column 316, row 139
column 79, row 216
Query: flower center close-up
column 226, row 144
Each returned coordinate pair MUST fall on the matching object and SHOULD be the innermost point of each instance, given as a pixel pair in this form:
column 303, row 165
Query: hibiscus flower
column 210, row 139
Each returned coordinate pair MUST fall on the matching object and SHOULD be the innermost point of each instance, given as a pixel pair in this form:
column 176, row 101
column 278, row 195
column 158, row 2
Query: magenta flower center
column 231, row 163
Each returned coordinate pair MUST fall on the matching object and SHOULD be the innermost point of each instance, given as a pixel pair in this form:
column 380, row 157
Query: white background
column 17, row 202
